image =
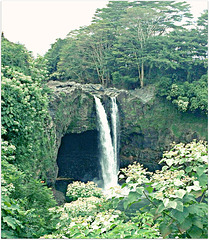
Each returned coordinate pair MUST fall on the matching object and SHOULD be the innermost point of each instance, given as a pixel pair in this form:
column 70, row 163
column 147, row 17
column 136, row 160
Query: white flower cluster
column 136, row 175
column 79, row 189
column 83, row 206
column 167, row 182
column 194, row 152
column 102, row 220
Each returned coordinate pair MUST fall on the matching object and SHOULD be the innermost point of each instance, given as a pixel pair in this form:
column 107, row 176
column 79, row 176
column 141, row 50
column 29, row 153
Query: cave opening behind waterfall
column 78, row 159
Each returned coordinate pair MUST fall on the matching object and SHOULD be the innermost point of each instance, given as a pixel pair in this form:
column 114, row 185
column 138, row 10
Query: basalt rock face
column 148, row 125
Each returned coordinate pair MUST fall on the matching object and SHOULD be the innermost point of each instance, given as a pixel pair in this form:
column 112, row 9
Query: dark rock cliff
column 148, row 125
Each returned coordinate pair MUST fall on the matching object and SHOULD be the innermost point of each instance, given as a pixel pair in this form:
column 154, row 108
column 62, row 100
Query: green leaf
column 197, row 222
column 180, row 216
column 188, row 169
column 132, row 198
column 203, row 179
column 161, row 207
column 149, row 189
column 195, row 232
column 124, row 185
column 199, row 209
column 165, row 229
column 127, row 204
column 172, row 204
column 10, row 221
column 166, row 202
column 180, row 193
column 186, row 224
column 188, row 198
column 7, row 203
column 200, row 170
column 179, row 206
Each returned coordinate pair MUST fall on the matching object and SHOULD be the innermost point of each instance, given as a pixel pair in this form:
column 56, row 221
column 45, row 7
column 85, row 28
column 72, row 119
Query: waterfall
column 107, row 159
column 115, row 121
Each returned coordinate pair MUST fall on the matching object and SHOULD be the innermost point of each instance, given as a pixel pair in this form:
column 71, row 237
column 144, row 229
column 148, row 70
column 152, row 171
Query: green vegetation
column 26, row 121
column 188, row 96
column 27, row 145
column 15, row 55
column 24, row 201
column 81, row 190
column 128, row 45
column 133, row 44
column 170, row 203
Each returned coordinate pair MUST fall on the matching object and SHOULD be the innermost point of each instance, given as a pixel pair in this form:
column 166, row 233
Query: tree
column 186, row 51
column 133, row 43
column 143, row 23
column 15, row 55
column 88, row 49
column 99, row 42
column 53, row 57
column 139, row 25
column 75, row 59
column 88, row 52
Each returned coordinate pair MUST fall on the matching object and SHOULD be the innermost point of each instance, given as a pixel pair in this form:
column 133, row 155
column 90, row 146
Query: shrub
column 187, row 96
column 106, row 224
column 78, row 189
column 27, row 122
column 24, row 204
column 175, row 206
column 84, row 206
column 177, row 194
column 24, row 200
column 93, row 217
column 15, row 55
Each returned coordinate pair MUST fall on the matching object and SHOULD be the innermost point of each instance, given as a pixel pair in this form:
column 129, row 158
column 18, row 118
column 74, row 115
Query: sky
column 37, row 24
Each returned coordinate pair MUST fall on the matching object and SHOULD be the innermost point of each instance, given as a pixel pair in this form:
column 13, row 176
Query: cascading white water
column 107, row 161
column 115, row 120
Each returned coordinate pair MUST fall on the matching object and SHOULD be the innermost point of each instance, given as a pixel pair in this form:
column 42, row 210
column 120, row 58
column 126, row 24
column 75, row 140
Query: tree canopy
column 131, row 44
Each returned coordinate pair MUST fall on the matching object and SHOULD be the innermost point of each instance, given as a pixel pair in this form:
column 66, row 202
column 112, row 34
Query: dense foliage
column 15, row 55
column 131, row 44
column 27, row 145
column 128, row 45
column 177, row 194
column 81, row 190
column 95, row 217
column 187, row 96
column 24, row 202
column 26, row 120
column 170, row 203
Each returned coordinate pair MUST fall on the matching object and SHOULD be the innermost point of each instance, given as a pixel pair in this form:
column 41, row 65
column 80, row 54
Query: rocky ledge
column 148, row 124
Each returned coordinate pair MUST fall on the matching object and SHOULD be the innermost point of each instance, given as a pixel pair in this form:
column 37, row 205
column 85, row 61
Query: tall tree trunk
column 150, row 69
column 142, row 76
column 139, row 73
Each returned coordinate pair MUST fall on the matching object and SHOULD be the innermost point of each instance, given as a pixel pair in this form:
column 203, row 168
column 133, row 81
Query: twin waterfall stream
column 108, row 144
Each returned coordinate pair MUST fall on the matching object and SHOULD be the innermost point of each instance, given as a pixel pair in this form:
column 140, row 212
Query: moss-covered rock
column 148, row 129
